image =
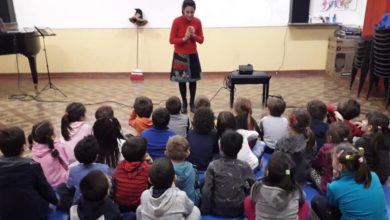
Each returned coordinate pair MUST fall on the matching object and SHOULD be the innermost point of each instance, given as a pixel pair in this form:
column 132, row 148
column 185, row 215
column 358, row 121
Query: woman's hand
column 187, row 36
column 191, row 29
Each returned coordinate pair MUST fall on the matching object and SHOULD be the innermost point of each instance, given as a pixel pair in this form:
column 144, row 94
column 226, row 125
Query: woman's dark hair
column 75, row 111
column 173, row 105
column 280, row 172
column 187, row 3
column 380, row 128
column 299, row 121
column 43, row 133
column 203, row 120
column 225, row 121
column 338, row 132
column 107, row 131
column 354, row 162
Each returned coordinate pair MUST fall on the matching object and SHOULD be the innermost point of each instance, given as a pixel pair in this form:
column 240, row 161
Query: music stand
column 47, row 32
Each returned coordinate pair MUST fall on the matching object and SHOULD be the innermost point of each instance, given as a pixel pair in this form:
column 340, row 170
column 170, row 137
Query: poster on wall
column 339, row 5
column 347, row 12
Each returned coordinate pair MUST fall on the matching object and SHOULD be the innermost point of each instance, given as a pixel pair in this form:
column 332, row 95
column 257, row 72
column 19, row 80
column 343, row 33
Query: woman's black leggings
column 183, row 92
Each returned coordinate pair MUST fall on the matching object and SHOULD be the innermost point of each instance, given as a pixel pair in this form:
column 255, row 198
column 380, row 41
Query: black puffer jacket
column 24, row 190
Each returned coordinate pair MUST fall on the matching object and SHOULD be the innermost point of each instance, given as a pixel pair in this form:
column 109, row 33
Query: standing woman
column 186, row 31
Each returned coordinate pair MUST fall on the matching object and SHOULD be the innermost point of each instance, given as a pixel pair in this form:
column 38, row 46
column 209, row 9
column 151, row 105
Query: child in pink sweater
column 74, row 128
column 50, row 153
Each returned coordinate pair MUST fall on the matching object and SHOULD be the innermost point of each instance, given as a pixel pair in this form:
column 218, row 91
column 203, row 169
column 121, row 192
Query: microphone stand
column 50, row 85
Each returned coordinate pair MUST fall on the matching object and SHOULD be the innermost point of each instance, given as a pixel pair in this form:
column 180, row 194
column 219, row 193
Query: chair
column 380, row 61
column 361, row 61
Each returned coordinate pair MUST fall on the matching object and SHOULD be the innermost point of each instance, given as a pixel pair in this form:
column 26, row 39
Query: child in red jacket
column 131, row 175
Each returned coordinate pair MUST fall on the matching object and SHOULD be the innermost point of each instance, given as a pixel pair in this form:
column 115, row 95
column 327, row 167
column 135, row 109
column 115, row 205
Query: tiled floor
column 119, row 91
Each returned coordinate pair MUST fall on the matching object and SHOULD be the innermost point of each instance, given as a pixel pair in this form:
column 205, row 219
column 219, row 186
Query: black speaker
column 299, row 11
column 7, row 11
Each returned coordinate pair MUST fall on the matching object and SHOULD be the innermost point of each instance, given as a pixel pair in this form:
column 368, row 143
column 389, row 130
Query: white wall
column 159, row 13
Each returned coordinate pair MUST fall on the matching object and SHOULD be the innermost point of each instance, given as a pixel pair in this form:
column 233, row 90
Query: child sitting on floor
column 131, row 175
column 277, row 195
column 178, row 151
column 49, row 152
column 73, row 128
column 355, row 192
column 203, row 139
column 179, row 123
column 140, row 117
column 25, row 192
column 158, row 135
column 273, row 127
column 227, row 180
column 299, row 144
column 317, row 111
column 321, row 174
column 86, row 152
column 163, row 200
column 95, row 202
column 376, row 144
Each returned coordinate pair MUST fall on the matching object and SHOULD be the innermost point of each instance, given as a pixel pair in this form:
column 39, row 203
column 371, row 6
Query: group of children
column 99, row 172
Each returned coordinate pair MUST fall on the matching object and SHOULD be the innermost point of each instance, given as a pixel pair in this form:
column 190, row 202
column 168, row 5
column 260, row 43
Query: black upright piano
column 26, row 43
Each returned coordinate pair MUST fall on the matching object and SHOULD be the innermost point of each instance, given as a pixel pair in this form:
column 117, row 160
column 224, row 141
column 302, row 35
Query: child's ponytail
column 310, row 140
column 65, row 126
column 43, row 133
column 299, row 122
column 380, row 128
column 75, row 111
column 353, row 161
column 50, row 142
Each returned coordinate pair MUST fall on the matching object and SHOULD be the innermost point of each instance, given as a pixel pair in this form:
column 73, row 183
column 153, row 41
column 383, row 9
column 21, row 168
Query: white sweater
column 246, row 154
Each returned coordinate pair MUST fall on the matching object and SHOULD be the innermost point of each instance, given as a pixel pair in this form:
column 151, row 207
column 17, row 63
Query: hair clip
column 348, row 157
column 288, row 172
column 361, row 160
column 66, row 113
column 340, row 153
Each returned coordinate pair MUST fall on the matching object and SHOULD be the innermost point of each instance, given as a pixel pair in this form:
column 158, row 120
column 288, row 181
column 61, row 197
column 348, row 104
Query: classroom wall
column 114, row 50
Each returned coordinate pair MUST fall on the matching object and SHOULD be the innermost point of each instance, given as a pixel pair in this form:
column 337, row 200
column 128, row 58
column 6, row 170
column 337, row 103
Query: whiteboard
column 159, row 13
column 349, row 12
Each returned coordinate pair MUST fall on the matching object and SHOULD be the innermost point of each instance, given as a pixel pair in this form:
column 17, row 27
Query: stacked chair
column 361, row 62
column 380, row 61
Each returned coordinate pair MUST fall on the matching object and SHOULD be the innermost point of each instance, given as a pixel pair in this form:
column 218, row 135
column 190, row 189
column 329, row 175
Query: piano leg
column 34, row 73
